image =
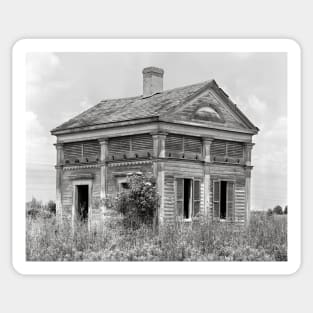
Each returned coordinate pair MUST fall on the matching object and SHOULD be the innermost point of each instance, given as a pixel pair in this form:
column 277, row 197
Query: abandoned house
column 194, row 140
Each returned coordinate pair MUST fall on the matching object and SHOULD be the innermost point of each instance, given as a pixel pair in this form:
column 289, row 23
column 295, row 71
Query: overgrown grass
column 265, row 239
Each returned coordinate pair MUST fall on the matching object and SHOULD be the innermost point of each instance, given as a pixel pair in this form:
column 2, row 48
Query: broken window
column 223, row 200
column 187, row 197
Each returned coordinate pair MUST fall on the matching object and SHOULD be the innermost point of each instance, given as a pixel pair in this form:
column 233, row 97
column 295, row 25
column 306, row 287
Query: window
column 223, row 200
column 122, row 184
column 181, row 143
column 87, row 151
column 230, row 149
column 187, row 198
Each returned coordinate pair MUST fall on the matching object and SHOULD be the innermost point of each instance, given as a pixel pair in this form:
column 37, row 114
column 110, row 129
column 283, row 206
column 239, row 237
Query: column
column 158, row 168
column 248, row 149
column 248, row 194
column 206, row 148
column 104, row 153
column 247, row 158
column 59, row 169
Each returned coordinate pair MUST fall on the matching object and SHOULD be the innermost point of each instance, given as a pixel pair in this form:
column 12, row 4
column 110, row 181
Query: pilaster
column 158, row 168
column 104, row 153
column 206, row 150
column 248, row 150
column 59, row 171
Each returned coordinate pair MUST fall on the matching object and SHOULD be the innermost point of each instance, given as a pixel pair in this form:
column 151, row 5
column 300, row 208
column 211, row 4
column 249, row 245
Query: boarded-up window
column 83, row 151
column 181, row 143
column 227, row 149
column 224, row 200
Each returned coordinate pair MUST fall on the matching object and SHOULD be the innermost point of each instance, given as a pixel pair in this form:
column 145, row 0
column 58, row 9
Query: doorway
column 82, row 202
column 223, row 200
column 187, row 198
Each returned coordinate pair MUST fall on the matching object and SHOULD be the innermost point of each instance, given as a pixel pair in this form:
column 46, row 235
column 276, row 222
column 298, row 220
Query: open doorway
column 187, row 198
column 223, row 200
column 82, row 202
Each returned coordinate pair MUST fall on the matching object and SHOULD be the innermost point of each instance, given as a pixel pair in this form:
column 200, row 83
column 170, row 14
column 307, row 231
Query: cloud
column 39, row 146
column 44, row 77
column 41, row 66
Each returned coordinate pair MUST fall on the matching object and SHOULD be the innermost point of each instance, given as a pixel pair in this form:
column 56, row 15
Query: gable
column 209, row 109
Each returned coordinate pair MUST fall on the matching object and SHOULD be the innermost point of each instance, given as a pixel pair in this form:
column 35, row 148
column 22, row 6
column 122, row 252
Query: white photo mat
column 24, row 46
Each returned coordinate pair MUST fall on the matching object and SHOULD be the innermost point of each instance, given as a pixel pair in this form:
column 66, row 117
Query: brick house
column 194, row 140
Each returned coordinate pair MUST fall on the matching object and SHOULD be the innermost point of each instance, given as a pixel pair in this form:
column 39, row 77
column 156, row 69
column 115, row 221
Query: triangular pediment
column 211, row 108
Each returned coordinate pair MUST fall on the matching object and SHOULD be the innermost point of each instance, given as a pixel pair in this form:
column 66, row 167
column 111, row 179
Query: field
column 265, row 239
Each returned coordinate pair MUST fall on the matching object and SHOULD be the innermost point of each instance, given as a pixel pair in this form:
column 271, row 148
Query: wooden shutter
column 142, row 142
column 196, row 197
column 174, row 142
column 218, row 147
column 119, row 145
column 91, row 149
column 216, row 199
column 192, row 144
column 230, row 201
column 235, row 149
column 179, row 196
column 73, row 150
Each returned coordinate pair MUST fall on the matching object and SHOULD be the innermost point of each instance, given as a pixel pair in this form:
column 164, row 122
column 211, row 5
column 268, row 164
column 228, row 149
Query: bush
column 139, row 204
column 278, row 210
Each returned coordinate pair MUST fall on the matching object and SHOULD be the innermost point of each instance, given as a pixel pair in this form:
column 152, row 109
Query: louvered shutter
column 73, row 151
column 216, row 199
column 142, row 142
column 192, row 144
column 179, row 196
column 119, row 145
column 234, row 149
column 174, row 142
column 91, row 150
column 196, row 197
column 218, row 147
column 230, row 201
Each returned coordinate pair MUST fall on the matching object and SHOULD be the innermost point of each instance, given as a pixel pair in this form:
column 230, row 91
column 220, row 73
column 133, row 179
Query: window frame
column 192, row 198
column 227, row 219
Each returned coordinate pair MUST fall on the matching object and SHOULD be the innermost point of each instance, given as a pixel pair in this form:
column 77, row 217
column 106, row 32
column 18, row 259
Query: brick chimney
column 152, row 81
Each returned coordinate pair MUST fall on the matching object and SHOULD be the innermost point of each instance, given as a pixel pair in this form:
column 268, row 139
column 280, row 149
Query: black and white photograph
column 156, row 157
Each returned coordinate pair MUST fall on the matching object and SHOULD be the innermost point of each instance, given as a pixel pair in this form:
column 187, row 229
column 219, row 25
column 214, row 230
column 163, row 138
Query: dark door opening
column 82, row 202
column 223, row 200
column 187, row 198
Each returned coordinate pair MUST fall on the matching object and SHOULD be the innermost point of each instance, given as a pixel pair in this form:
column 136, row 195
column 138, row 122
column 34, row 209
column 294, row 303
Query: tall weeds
column 265, row 239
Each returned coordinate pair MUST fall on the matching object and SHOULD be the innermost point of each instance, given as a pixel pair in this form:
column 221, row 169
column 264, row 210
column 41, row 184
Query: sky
column 62, row 85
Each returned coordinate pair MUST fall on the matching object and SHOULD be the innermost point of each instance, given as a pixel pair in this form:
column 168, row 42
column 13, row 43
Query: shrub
column 278, row 210
column 139, row 204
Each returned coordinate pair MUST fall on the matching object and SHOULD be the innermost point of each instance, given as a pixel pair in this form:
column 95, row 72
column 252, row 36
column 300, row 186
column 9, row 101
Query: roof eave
column 62, row 131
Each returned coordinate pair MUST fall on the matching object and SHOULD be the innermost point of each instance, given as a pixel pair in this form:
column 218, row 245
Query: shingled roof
column 126, row 109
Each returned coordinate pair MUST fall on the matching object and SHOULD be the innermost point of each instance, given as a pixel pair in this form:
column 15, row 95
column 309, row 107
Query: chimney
column 152, row 81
